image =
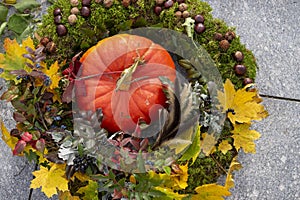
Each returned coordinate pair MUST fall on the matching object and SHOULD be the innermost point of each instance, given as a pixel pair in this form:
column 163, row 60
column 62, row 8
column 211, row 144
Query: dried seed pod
column 224, row 45
column 178, row 14
column 218, row 36
column 74, row 2
column 240, row 69
column 44, row 41
column 230, row 35
column 185, row 14
column 126, row 3
column 199, row 28
column 108, row 3
column 247, row 81
column 75, row 11
column 157, row 10
column 199, row 19
column 238, row 56
column 57, row 11
column 72, row 19
column 51, row 47
column 57, row 19
column 168, row 4
column 182, row 7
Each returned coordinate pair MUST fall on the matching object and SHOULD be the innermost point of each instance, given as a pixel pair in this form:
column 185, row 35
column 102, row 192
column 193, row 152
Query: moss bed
column 63, row 38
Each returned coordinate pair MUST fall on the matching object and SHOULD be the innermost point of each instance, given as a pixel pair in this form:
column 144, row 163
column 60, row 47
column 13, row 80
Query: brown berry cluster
column 61, row 30
column 199, row 24
column 166, row 4
column 225, row 40
column 182, row 11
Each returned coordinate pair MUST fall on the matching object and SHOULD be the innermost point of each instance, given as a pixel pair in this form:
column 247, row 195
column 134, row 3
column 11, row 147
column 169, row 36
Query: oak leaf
column 224, row 146
column 210, row 192
column 242, row 105
column 50, row 180
column 244, row 137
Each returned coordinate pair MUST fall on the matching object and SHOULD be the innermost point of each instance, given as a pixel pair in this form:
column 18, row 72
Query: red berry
column 199, row 28
column 199, row 19
column 240, row 69
column 157, row 10
column 247, row 81
column 168, row 4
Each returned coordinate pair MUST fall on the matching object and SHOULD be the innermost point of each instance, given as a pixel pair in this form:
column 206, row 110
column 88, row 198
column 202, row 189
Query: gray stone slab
column 15, row 172
column 270, row 29
column 273, row 173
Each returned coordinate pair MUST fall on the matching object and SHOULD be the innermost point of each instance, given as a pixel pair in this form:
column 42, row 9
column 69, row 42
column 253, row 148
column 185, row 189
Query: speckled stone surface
column 270, row 29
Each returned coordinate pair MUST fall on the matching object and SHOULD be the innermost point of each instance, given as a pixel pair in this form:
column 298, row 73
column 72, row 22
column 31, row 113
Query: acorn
column 240, row 69
column 57, row 11
column 230, row 35
column 44, row 41
column 178, row 14
column 199, row 28
column 182, row 7
column 61, row 30
column 247, row 81
column 75, row 11
column 74, row 2
column 157, row 10
column 57, row 19
column 224, row 45
column 86, row 2
column 218, row 36
column 85, row 11
column 238, row 56
column 168, row 4
column 51, row 47
column 185, row 14
column 108, row 3
column 72, row 19
column 126, row 3
column 199, row 19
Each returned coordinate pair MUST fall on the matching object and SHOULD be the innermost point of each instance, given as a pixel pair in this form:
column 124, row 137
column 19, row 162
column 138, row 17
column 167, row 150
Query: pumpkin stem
column 126, row 77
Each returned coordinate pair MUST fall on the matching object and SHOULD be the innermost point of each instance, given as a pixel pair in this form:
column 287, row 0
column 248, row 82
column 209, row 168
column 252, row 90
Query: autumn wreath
column 131, row 99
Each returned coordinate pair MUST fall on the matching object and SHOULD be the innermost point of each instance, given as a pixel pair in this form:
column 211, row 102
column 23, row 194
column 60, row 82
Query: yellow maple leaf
column 244, row 137
column 208, row 143
column 13, row 58
column 170, row 194
column 67, row 196
column 53, row 74
column 50, row 180
column 210, row 192
column 180, row 179
column 224, row 146
column 234, row 165
column 7, row 138
column 242, row 105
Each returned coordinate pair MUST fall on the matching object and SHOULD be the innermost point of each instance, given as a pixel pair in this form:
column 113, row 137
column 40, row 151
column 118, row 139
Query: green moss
column 105, row 22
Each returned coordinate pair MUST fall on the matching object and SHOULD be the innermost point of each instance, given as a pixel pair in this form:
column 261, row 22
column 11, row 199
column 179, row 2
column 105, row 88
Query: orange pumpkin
column 120, row 75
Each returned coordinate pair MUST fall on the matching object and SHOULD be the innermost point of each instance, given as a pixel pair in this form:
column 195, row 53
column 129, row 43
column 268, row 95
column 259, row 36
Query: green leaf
column 90, row 191
column 167, row 169
column 26, row 4
column 31, row 156
column 2, row 27
column 3, row 13
column 193, row 151
column 17, row 23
